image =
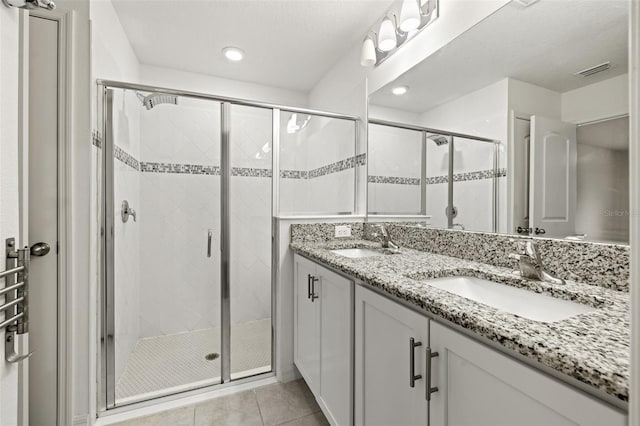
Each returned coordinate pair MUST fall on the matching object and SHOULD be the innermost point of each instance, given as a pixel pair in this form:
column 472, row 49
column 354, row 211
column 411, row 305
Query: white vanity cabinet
column 390, row 343
column 323, row 337
column 472, row 384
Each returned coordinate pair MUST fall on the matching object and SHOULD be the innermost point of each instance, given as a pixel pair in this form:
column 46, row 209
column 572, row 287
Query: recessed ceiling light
column 399, row 90
column 234, row 54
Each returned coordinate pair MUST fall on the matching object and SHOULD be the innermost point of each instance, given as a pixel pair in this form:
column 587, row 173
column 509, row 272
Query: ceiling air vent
column 594, row 70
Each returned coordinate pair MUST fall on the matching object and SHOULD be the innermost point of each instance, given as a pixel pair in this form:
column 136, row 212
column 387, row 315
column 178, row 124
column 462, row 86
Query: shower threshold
column 169, row 364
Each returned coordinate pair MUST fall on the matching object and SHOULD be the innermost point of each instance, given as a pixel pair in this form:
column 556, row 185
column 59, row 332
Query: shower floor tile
column 174, row 363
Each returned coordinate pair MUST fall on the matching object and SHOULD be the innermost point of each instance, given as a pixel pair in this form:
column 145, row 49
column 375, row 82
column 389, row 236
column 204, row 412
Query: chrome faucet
column 530, row 263
column 386, row 239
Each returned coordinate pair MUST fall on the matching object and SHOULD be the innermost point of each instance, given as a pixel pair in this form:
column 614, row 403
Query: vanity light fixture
column 399, row 90
column 233, row 54
column 368, row 54
column 395, row 28
column 410, row 15
column 387, row 40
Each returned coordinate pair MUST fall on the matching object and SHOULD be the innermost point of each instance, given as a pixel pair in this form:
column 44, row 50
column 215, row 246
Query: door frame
column 66, row 34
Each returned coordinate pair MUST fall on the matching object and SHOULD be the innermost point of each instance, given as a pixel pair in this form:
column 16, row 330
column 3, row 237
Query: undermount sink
column 517, row 301
column 355, row 253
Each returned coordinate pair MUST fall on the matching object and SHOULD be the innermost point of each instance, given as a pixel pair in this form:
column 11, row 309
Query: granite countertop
column 593, row 347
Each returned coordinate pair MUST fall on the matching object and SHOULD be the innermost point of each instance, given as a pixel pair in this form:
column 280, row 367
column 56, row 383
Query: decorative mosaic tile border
column 294, row 174
column 189, row 169
column 96, row 139
column 432, row 180
column 126, row 158
column 338, row 166
column 251, row 172
column 394, row 180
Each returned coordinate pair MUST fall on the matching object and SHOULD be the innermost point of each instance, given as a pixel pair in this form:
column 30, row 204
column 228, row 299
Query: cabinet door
column 336, row 343
column 382, row 362
column 307, row 325
column 480, row 386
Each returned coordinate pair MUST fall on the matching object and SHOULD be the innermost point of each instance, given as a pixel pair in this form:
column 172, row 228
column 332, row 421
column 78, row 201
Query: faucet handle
column 515, row 256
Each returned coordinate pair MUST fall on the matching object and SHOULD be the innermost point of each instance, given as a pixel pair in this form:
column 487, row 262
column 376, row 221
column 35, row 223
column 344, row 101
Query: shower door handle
column 209, row 236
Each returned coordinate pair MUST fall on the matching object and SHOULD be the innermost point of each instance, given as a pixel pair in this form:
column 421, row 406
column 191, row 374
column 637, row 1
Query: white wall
column 606, row 99
column 392, row 114
column 634, row 172
column 603, row 194
column 9, row 221
column 529, row 99
column 182, row 80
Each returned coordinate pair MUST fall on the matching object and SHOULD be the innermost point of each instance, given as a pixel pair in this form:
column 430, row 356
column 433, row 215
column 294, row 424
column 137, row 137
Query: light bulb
column 409, row 15
column 292, row 124
column 399, row 90
column 387, row 35
column 233, row 53
column 368, row 54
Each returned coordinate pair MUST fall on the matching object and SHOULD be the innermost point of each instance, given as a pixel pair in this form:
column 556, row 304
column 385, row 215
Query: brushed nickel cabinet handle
column 429, row 389
column 412, row 362
column 313, row 288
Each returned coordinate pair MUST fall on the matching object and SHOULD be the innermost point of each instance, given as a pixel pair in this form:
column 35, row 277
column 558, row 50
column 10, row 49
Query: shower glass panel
column 395, row 169
column 317, row 164
column 474, row 180
column 251, row 134
column 165, row 281
column 437, row 179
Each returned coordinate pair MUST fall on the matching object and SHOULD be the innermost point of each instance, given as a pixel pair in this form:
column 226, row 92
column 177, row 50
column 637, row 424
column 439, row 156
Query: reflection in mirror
column 547, row 82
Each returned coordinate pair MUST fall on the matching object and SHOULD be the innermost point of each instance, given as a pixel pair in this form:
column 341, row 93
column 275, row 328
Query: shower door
column 187, row 253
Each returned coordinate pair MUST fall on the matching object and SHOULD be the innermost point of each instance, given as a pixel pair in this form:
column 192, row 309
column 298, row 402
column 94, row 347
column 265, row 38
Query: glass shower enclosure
column 445, row 176
column 187, row 205
column 187, row 187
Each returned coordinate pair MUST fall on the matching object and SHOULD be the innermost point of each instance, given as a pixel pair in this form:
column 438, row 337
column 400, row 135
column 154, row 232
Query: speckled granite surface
column 593, row 348
column 604, row 265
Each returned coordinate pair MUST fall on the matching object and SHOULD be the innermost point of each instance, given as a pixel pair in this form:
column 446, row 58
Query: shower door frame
column 106, row 307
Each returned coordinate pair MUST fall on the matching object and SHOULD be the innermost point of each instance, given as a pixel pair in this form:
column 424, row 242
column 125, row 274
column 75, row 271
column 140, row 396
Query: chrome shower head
column 439, row 139
column 153, row 99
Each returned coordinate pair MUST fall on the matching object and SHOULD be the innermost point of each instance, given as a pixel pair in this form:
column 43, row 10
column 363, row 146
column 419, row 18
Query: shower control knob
column 40, row 249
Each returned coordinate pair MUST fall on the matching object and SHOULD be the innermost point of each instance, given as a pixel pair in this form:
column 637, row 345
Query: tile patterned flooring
column 176, row 362
column 290, row 404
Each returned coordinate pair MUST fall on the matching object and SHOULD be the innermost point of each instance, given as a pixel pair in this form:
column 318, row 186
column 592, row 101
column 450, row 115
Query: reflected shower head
column 439, row 139
column 153, row 99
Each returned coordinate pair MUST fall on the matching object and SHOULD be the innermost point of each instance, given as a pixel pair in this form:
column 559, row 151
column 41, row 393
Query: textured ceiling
column 544, row 44
column 288, row 43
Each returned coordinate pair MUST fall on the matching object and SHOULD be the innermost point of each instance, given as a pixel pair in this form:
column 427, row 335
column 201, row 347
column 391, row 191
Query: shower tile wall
column 394, row 170
column 127, row 131
column 325, row 150
column 179, row 285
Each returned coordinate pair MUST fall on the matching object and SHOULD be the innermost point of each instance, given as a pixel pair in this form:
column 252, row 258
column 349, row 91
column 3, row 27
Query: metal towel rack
column 16, row 298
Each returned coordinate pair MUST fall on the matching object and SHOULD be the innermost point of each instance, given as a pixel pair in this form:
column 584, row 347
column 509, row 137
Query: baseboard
column 289, row 374
column 82, row 419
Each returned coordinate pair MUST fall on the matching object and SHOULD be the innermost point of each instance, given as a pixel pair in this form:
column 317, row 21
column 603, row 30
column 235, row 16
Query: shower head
column 439, row 139
column 153, row 99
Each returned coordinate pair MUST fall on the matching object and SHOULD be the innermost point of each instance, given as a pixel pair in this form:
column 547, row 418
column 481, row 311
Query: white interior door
column 521, row 176
column 552, row 200
column 43, row 219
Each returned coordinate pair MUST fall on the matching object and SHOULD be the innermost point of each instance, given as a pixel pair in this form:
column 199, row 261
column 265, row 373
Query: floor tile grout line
column 255, row 395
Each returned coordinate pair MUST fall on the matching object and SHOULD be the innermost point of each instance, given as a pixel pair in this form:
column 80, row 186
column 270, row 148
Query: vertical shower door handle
column 209, row 236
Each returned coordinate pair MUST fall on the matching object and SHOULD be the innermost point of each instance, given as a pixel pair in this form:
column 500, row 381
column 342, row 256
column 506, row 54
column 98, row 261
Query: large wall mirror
column 519, row 125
